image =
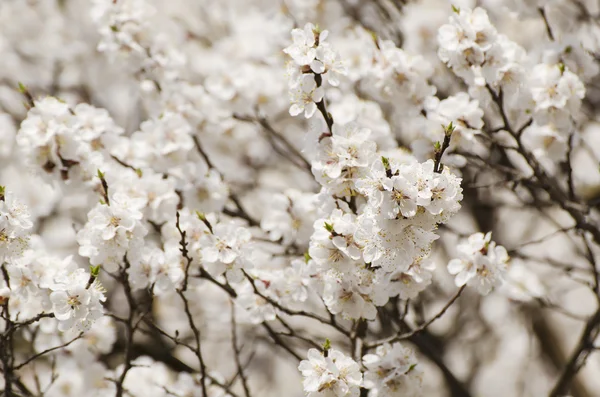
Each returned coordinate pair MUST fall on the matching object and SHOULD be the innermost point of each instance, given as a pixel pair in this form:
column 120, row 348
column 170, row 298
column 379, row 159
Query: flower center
column 73, row 301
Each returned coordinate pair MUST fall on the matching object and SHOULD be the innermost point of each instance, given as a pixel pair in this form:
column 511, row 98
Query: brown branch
column 569, row 168
column 578, row 211
column 184, row 251
column 439, row 151
column 579, row 355
column 129, row 328
column 323, row 107
column 296, row 312
column 421, row 328
column 273, row 134
column 546, row 23
column 278, row 342
column 6, row 342
column 236, row 351
column 203, row 154
column 197, row 350
column 43, row 353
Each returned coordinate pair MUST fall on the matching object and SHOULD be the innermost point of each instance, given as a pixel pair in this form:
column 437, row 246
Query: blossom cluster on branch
column 193, row 193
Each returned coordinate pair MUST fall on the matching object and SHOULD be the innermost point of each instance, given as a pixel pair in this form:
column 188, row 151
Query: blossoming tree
column 323, row 198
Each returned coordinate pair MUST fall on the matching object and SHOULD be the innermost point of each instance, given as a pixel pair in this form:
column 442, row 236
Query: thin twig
column 129, row 328
column 43, row 353
column 542, row 12
column 236, row 351
column 323, row 107
column 584, row 346
column 419, row 329
column 295, row 312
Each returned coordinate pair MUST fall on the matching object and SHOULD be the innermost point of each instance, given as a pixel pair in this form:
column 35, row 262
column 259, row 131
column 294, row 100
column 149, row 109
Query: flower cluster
column 124, row 28
column 404, row 80
column 314, row 62
column 382, row 252
column 475, row 51
column 14, row 225
column 556, row 93
column 38, row 281
column 162, row 271
column 393, row 371
column 68, row 144
column 290, row 217
column 331, row 374
column 226, row 249
column 76, row 302
column 113, row 230
column 480, row 264
column 343, row 157
column 550, row 91
column 400, row 77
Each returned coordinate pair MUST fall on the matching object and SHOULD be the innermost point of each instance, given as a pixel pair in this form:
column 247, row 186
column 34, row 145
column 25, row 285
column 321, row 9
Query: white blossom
column 224, row 248
column 557, row 93
column 393, row 370
column 304, row 96
column 14, row 224
column 480, row 264
column 334, row 375
column 305, row 41
column 113, row 229
column 75, row 301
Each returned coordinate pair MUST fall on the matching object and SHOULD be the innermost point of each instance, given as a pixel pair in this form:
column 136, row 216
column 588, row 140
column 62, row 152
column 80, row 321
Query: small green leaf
column 329, row 227
column 561, row 67
column 326, row 345
column 373, row 35
column 455, row 9
column 22, row 88
column 201, row 216
column 100, row 174
column 95, row 270
column 307, row 257
column 449, row 129
column 386, row 162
